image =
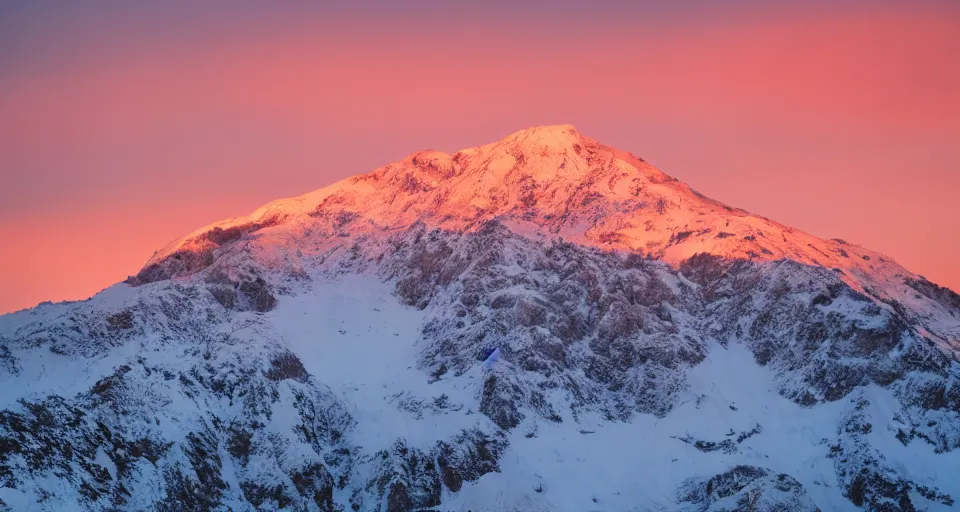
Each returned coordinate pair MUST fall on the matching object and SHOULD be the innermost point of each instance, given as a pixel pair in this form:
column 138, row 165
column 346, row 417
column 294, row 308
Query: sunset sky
column 122, row 127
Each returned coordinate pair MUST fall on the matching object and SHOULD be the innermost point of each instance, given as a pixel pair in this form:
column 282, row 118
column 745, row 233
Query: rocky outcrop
column 175, row 427
column 746, row 488
column 868, row 480
column 406, row 478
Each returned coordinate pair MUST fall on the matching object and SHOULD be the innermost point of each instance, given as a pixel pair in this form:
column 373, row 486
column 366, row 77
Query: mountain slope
column 659, row 351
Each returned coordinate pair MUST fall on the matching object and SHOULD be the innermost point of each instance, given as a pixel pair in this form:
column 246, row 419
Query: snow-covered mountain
column 659, row 350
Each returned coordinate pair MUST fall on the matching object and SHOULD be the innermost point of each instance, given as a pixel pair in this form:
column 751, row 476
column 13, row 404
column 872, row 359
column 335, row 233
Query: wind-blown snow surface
column 359, row 340
column 326, row 353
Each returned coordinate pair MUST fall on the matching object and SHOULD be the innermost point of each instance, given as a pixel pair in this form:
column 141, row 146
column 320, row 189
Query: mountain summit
column 544, row 323
column 552, row 181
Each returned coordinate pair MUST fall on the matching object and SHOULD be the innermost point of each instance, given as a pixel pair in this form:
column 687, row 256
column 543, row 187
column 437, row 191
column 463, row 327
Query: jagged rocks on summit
column 658, row 350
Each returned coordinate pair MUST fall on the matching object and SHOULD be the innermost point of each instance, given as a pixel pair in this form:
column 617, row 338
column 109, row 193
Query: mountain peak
column 543, row 182
column 552, row 179
column 559, row 135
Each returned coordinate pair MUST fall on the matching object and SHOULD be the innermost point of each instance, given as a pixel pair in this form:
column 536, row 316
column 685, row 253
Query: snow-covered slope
column 659, row 351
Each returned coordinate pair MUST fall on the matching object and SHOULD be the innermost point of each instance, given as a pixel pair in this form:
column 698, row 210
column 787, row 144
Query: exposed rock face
column 326, row 353
column 195, row 404
column 411, row 479
column 602, row 328
column 747, row 488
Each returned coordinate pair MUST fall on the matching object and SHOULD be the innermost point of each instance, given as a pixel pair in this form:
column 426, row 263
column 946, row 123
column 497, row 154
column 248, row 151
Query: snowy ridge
column 658, row 350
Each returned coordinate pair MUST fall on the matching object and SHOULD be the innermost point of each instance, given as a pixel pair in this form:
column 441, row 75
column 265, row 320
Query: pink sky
column 843, row 122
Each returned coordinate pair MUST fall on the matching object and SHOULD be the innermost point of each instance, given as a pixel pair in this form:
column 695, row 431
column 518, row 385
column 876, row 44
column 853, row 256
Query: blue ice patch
column 492, row 358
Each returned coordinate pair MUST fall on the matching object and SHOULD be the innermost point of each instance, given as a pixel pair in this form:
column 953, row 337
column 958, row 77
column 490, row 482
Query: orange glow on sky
column 841, row 121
